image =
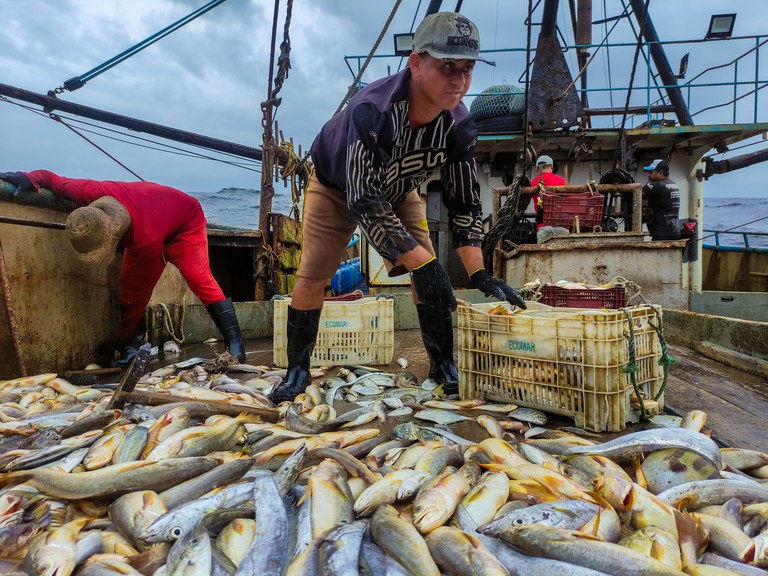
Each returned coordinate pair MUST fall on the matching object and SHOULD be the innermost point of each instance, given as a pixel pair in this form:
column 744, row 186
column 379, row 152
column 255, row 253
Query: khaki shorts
column 327, row 227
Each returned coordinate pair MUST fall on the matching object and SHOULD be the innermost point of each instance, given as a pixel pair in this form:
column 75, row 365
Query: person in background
column 545, row 174
column 369, row 160
column 663, row 202
column 155, row 224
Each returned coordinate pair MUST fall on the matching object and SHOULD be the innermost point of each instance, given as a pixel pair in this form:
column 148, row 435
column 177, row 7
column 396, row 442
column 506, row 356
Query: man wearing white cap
column 545, row 174
column 663, row 202
column 369, row 161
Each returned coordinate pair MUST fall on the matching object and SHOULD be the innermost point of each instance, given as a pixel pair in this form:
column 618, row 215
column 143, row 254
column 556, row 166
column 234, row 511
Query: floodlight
column 403, row 44
column 720, row 26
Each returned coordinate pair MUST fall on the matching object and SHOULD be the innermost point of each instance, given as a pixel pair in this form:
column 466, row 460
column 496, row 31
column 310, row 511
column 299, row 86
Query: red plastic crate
column 352, row 296
column 562, row 209
column 611, row 298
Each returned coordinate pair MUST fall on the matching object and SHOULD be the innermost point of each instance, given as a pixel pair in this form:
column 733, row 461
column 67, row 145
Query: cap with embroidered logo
column 448, row 36
column 657, row 165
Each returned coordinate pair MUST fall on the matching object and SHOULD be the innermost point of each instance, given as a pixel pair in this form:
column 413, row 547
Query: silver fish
column 708, row 492
column 655, row 439
column 340, row 548
column 267, row 553
column 569, row 514
column 440, row 416
column 529, row 415
column 191, row 555
column 175, row 523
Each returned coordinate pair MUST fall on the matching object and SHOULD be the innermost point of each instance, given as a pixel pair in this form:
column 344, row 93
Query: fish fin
column 585, row 536
column 492, row 466
column 692, row 536
column 22, row 475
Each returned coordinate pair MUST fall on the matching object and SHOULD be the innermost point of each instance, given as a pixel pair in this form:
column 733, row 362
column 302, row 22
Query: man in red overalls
column 163, row 225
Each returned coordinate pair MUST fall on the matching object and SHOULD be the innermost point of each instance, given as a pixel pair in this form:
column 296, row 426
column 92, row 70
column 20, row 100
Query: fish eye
column 176, row 531
column 519, row 521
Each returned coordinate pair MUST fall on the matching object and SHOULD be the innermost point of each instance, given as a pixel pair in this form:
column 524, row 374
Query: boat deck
column 736, row 402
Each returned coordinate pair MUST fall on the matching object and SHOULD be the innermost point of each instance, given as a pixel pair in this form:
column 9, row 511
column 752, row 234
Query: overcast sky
column 211, row 76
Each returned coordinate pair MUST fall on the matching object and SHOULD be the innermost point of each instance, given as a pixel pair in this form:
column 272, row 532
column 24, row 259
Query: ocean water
column 239, row 207
column 738, row 215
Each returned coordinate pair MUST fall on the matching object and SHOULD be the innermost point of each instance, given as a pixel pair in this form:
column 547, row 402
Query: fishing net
column 508, row 219
column 496, row 101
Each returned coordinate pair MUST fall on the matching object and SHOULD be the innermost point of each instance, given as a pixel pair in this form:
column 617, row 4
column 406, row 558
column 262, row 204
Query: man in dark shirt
column 663, row 202
column 369, row 161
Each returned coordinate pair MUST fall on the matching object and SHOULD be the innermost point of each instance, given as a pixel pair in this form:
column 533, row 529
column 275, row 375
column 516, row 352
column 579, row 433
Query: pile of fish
column 365, row 473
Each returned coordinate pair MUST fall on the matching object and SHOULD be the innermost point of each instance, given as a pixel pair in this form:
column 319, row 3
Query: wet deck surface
column 736, row 402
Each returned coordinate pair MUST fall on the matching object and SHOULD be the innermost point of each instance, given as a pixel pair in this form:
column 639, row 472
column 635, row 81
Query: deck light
column 720, row 26
column 403, row 44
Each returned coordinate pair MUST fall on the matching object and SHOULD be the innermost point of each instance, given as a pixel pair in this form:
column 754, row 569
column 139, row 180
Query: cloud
column 210, row 76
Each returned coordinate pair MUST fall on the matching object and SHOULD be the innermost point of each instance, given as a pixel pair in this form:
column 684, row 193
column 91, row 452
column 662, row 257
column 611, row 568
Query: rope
column 284, row 60
column 353, row 87
column 666, row 359
column 168, row 321
column 621, row 147
column 621, row 281
column 509, row 216
column 297, row 170
column 92, row 143
column 632, row 368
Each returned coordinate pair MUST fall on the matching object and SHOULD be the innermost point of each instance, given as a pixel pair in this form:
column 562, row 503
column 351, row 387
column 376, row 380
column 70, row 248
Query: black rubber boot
column 302, row 334
column 130, row 349
column 437, row 333
column 223, row 315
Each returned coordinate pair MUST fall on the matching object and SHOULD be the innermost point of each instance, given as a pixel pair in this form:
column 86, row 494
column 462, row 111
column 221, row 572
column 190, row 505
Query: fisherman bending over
column 369, row 160
column 155, row 224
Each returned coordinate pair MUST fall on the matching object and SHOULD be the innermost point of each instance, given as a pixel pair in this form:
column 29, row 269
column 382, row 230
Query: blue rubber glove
column 433, row 286
column 20, row 180
column 491, row 286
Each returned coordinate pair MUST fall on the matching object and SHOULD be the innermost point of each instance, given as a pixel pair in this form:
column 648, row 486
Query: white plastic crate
column 562, row 360
column 351, row 332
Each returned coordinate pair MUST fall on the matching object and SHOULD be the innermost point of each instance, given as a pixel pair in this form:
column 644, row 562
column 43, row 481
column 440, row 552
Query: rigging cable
column 356, row 81
column 92, row 143
column 608, row 56
column 620, row 147
column 158, row 146
column 79, row 81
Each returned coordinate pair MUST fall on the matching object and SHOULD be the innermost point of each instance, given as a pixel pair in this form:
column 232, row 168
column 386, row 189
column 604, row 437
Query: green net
column 498, row 100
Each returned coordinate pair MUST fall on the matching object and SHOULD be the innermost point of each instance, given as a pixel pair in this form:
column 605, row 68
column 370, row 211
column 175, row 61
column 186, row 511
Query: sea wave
column 238, row 207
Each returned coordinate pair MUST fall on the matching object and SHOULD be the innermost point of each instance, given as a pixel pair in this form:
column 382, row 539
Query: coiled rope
column 508, row 218
column 168, row 320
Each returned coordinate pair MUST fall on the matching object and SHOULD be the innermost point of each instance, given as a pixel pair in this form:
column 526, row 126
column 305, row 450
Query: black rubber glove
column 433, row 286
column 18, row 179
column 491, row 286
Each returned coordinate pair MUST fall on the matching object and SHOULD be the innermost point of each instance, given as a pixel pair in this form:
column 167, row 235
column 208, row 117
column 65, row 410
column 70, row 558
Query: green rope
column 632, row 368
column 666, row 359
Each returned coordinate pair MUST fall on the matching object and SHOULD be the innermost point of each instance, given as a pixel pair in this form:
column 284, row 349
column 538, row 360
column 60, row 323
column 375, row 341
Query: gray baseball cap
column 448, row 36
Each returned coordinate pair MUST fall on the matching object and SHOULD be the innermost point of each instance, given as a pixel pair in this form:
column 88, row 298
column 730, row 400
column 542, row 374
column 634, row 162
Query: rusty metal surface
column 551, row 103
column 10, row 346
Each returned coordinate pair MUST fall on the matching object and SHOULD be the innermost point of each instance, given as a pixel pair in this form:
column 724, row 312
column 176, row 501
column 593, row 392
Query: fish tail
column 692, row 536
column 16, row 475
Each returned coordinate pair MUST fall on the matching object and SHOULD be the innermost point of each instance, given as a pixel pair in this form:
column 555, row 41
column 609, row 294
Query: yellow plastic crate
column 561, row 360
column 351, row 332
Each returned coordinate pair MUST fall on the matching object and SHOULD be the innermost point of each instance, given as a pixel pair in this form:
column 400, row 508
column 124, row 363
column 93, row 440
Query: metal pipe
column 668, row 77
column 35, row 223
column 434, row 6
column 48, row 103
column 549, row 19
column 584, row 37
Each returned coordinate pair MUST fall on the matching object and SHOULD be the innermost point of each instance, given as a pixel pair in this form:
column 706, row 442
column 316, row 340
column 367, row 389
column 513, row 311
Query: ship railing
column 757, row 237
column 735, row 83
